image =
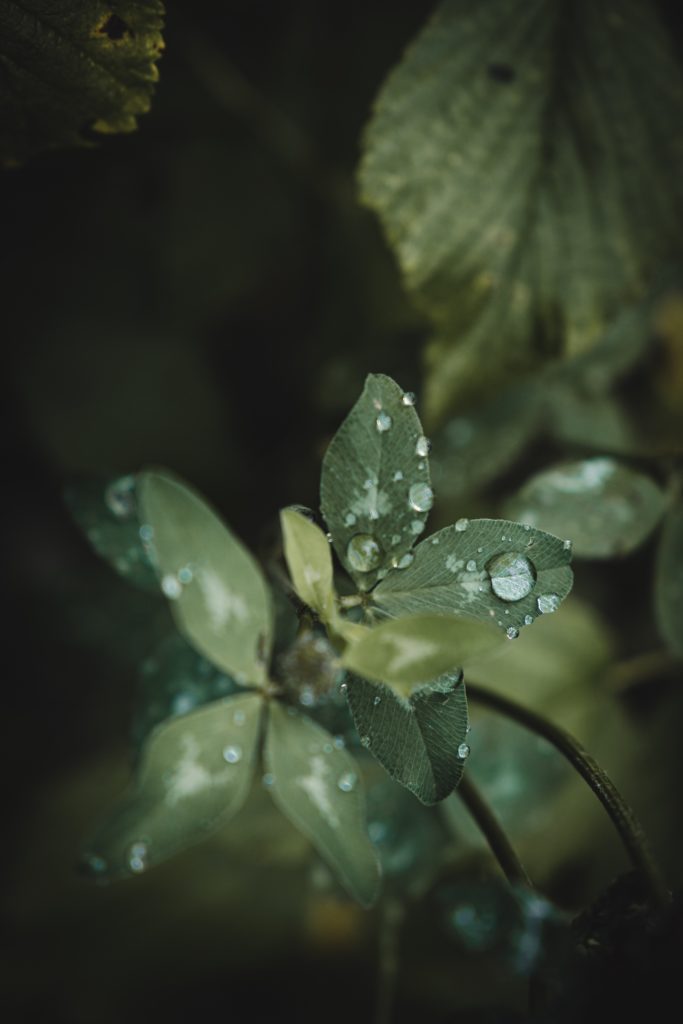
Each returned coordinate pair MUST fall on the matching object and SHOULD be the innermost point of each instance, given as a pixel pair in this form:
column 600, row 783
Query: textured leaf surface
column 194, row 775
column 418, row 648
column 669, row 580
column 317, row 786
column 415, row 740
column 309, row 561
column 218, row 595
column 603, row 507
column 525, row 160
column 450, row 574
column 107, row 512
column 70, row 69
column 375, row 481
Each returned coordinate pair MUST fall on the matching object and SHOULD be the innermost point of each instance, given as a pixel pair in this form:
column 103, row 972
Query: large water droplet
column 363, row 553
column 232, row 754
column 461, row 525
column 512, row 632
column 463, row 751
column 383, row 422
column 137, row 857
column 422, row 446
column 346, row 782
column 119, row 497
column 171, row 586
column 512, row 576
column 421, row 497
column 548, row 603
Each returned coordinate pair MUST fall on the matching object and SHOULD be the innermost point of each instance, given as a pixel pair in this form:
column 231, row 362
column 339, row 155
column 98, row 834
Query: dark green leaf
column 464, row 568
column 420, row 741
column 374, row 489
column 72, row 68
column 603, row 507
column 669, row 580
column 525, row 161
column 309, row 560
column 317, row 786
column 107, row 512
column 418, row 648
column 194, row 776
column 218, row 595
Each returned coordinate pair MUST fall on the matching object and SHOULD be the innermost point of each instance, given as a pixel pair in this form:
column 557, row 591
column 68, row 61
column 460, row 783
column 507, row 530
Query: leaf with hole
column 318, row 787
column 524, row 159
column 420, row 741
column 375, row 489
column 604, row 507
column 194, row 776
column 217, row 592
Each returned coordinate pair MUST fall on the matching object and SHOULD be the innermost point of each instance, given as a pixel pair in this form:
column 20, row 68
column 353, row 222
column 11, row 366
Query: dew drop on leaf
column 171, row 586
column 383, row 422
column 512, row 576
column 137, row 857
column 422, row 446
column 461, row 525
column 421, row 497
column 119, row 497
column 548, row 603
column 363, row 553
column 232, row 754
column 346, row 782
column 408, row 398
column 512, row 632
column 463, row 751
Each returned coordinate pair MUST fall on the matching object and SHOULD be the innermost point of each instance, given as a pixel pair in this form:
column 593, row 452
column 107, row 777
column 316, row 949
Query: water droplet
column 328, row 538
column 349, row 519
column 548, row 603
column 365, row 741
column 528, row 620
column 307, row 697
column 232, row 754
column 422, row 446
column 376, row 700
column 119, row 497
column 347, row 782
column 146, row 533
column 182, row 703
column 479, row 550
column 417, row 526
column 395, row 539
column 137, row 857
column 435, row 541
column 185, row 575
column 404, row 561
column 268, row 779
column 463, row 751
column 421, row 497
column 461, row 525
column 408, row 398
column 567, row 545
column 363, row 553
column 471, row 565
column 172, row 587
column 398, row 475
column 383, row 422
column 512, row 576
column 344, row 688
column 338, row 742
column 512, row 632
column 239, row 718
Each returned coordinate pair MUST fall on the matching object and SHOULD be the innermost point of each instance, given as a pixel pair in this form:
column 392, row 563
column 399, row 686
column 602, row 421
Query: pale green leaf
column 318, row 787
column 421, row 741
column 417, row 648
column 374, row 489
column 524, row 159
column 217, row 592
column 71, row 69
column 107, row 513
column 669, row 580
column 463, row 568
column 605, row 508
column 309, row 561
column 194, row 776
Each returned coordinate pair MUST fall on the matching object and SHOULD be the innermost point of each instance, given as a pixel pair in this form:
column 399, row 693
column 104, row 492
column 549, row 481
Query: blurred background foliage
column 208, row 294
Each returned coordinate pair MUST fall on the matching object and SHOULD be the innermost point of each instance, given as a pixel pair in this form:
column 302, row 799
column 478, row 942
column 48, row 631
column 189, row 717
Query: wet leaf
column 309, row 561
column 421, row 741
column 217, row 592
column 526, row 187
column 605, row 508
column 74, row 69
column 194, row 776
column 463, row 569
column 374, row 490
column 416, row 649
column 318, row 787
column 669, row 580
column 107, row 512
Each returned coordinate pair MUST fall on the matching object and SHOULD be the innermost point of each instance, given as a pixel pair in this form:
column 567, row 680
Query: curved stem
column 492, row 831
column 624, row 819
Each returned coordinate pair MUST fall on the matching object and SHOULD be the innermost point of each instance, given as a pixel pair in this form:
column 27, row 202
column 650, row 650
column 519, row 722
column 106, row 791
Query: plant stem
column 623, row 818
column 392, row 915
column 493, row 832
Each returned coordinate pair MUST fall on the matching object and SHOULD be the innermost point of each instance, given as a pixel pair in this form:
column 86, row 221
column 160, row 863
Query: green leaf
column 602, row 506
column 669, row 580
column 464, row 568
column 527, row 185
column 107, row 513
column 419, row 741
column 218, row 595
column 317, row 786
column 417, row 648
column 309, row 561
column 194, row 776
column 374, row 489
column 73, row 68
